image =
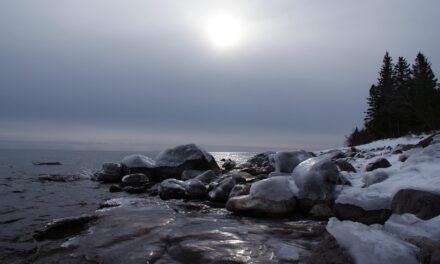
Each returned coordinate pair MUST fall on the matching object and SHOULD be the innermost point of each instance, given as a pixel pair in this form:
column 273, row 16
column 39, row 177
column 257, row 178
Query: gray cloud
column 143, row 71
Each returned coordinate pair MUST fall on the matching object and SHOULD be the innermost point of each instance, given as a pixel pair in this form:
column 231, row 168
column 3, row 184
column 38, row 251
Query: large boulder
column 424, row 205
column 316, row 178
column 287, row 161
column 137, row 163
column 111, row 172
column 172, row 162
column 273, row 197
column 379, row 163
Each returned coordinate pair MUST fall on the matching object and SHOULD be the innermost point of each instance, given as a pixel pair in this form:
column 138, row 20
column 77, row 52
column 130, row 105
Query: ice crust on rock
column 278, row 188
column 316, row 178
column 409, row 225
column 177, row 156
column 285, row 162
column 370, row 244
column 138, row 161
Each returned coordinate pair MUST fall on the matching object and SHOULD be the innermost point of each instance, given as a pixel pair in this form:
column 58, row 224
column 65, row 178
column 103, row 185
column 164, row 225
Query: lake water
column 143, row 230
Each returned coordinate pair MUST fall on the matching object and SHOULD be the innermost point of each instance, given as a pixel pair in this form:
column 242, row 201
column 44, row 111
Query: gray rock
column 424, row 205
column 357, row 214
column 261, row 159
column 345, row 165
column 321, row 211
column 172, row 162
column 240, row 189
column 220, row 192
column 107, row 177
column 134, row 189
column 328, row 251
column 115, row 188
column 379, row 163
column 428, row 249
column 206, row 177
column 191, row 174
column 229, row 164
column 172, row 189
column 112, row 168
column 137, row 179
column 195, row 189
column 64, row 227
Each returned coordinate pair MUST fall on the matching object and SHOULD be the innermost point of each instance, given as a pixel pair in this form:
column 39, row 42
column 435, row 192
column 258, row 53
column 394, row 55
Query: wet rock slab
column 153, row 231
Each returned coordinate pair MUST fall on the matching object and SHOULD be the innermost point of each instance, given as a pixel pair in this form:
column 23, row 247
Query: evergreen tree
column 401, row 103
column 378, row 120
column 424, row 95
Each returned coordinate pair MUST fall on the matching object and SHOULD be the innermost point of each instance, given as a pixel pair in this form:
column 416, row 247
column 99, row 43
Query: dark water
column 142, row 230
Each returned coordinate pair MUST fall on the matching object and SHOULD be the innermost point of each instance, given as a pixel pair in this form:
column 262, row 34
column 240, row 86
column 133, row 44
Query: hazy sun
column 224, row 31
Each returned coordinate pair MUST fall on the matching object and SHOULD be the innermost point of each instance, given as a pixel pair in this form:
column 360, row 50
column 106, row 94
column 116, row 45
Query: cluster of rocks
column 270, row 184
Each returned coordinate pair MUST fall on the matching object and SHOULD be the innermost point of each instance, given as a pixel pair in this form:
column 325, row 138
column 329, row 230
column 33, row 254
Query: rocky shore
column 376, row 203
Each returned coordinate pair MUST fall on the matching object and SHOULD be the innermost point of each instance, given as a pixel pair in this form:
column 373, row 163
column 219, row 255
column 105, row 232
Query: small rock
column 64, row 227
column 115, row 188
column 240, row 189
column 403, row 158
column 134, row 190
column 172, row 189
column 328, row 251
column 195, row 189
column 207, row 177
column 321, row 211
column 379, row 163
column 229, row 164
column 345, row 165
column 357, row 214
column 136, row 180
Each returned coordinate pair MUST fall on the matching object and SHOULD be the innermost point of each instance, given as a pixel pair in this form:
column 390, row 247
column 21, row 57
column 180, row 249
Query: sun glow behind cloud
column 224, row 31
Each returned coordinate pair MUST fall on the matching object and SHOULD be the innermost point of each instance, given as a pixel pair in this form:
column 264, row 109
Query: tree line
column 405, row 99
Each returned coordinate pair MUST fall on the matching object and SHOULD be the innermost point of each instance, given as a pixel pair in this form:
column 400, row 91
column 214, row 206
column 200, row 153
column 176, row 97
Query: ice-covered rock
column 409, row 225
column 240, row 189
column 137, row 163
column 373, row 178
column 271, row 197
column 170, row 163
column 316, row 178
column 111, row 172
column 368, row 244
column 287, row 161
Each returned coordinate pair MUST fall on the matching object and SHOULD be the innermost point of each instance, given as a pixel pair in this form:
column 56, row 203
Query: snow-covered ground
column 388, row 243
column 420, row 171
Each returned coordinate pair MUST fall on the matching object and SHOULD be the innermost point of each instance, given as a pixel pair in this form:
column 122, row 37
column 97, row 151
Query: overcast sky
column 145, row 75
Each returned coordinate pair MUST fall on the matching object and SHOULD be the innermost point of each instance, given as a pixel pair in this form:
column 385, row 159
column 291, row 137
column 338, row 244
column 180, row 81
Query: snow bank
column 420, row 171
column 369, row 244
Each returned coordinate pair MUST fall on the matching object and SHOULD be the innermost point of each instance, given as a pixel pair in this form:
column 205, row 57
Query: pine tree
column 401, row 103
column 424, row 95
column 378, row 120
